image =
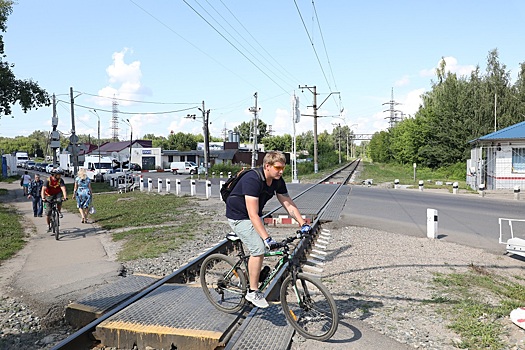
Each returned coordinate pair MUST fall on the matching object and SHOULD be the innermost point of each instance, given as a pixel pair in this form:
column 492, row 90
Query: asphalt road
column 467, row 219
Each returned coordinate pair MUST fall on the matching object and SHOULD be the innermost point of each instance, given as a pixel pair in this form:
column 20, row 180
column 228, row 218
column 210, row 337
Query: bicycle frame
column 285, row 255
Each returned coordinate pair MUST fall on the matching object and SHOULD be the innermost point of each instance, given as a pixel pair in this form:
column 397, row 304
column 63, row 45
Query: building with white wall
column 497, row 160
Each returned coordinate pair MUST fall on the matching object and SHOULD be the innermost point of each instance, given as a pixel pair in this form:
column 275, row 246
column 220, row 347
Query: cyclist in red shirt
column 54, row 188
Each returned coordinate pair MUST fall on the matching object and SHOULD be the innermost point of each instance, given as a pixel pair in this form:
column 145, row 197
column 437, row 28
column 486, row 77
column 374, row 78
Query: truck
column 96, row 167
column 183, row 168
column 21, row 159
column 65, row 161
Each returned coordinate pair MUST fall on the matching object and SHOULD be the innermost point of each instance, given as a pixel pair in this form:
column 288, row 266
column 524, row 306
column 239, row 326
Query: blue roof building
column 497, row 160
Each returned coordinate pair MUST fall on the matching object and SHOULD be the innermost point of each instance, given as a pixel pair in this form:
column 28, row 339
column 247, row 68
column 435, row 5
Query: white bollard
column 150, row 184
column 159, row 185
column 192, row 187
column 481, row 190
column 177, row 187
column 396, row 183
column 229, row 174
column 220, row 186
column 213, row 174
column 455, row 188
column 141, row 183
column 432, row 223
column 421, row 185
column 221, row 174
column 517, row 192
column 168, row 185
column 208, row 189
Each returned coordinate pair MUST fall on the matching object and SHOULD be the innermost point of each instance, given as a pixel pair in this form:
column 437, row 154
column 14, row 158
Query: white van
column 183, row 168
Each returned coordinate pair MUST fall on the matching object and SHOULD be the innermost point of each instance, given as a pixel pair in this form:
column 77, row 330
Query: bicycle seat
column 231, row 236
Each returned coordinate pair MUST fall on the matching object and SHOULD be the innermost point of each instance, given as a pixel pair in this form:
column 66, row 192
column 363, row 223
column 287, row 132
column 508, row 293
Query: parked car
column 41, row 167
column 29, row 165
column 49, row 167
column 135, row 167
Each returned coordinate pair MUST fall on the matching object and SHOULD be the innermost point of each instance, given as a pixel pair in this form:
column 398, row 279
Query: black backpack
column 228, row 186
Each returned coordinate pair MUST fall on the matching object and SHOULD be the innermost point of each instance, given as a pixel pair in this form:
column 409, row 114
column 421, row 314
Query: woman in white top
column 26, row 180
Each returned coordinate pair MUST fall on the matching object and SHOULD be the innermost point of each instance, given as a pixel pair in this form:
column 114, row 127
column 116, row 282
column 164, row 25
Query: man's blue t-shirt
column 250, row 184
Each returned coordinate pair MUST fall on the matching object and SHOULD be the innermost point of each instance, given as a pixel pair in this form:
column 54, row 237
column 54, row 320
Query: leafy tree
column 245, row 131
column 181, row 142
column 278, row 143
column 24, row 92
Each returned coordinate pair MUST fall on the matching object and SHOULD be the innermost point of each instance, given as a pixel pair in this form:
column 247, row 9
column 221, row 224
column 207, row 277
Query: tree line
column 457, row 109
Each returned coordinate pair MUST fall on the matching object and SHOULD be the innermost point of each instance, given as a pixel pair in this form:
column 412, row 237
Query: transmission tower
column 114, row 120
column 393, row 118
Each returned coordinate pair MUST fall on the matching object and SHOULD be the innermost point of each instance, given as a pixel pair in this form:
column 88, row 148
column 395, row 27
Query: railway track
column 316, row 202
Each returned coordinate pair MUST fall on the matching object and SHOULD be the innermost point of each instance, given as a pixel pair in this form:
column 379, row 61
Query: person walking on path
column 35, row 193
column 24, row 181
column 54, row 189
column 244, row 210
column 83, row 193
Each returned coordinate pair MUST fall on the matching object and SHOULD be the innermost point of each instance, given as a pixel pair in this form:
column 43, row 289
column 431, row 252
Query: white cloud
column 452, row 66
column 124, row 81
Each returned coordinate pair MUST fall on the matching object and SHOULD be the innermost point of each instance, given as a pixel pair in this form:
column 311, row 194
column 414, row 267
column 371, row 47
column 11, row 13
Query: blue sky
column 161, row 59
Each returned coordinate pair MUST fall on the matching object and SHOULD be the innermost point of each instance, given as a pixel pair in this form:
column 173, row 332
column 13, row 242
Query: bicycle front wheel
column 309, row 307
column 56, row 224
column 223, row 284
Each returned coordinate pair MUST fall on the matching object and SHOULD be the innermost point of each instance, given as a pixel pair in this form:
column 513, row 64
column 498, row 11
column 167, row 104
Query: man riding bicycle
column 54, row 189
column 244, row 210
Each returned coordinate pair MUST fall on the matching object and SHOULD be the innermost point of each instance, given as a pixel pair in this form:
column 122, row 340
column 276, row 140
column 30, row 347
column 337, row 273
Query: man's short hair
column 273, row 157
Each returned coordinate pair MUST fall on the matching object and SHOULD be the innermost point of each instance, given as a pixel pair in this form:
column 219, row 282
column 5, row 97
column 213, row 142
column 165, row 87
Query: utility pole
column 313, row 90
column 254, row 110
column 55, row 136
column 205, row 121
column 73, row 139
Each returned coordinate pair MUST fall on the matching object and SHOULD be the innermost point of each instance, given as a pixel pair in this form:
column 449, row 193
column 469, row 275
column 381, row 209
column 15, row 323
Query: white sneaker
column 257, row 299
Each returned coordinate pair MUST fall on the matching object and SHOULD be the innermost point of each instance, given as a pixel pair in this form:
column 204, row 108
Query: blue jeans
column 37, row 205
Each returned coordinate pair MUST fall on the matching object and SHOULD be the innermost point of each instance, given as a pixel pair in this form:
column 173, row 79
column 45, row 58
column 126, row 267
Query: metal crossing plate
column 267, row 329
column 178, row 315
column 92, row 306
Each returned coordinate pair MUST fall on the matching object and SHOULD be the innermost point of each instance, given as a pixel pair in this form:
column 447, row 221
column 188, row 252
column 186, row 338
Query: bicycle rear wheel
column 222, row 283
column 56, row 224
column 309, row 307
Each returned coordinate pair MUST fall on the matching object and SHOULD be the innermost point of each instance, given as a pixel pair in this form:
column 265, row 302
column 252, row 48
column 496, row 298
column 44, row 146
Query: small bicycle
column 54, row 219
column 307, row 304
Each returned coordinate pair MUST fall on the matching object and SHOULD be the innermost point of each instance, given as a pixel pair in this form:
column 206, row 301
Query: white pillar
column 159, row 185
column 517, row 192
column 432, row 223
column 421, row 185
column 481, row 190
column 396, row 183
column 208, row 189
column 192, row 187
column 141, row 183
column 229, row 174
column 150, row 184
column 455, row 188
column 221, row 174
column 177, row 187
column 168, row 185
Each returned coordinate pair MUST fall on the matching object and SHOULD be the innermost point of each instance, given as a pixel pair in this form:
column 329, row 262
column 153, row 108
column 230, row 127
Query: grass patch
column 476, row 303
column 11, row 232
column 380, row 173
column 149, row 224
column 135, row 209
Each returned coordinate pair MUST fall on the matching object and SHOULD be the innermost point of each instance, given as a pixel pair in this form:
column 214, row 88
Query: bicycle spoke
column 309, row 308
column 221, row 284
